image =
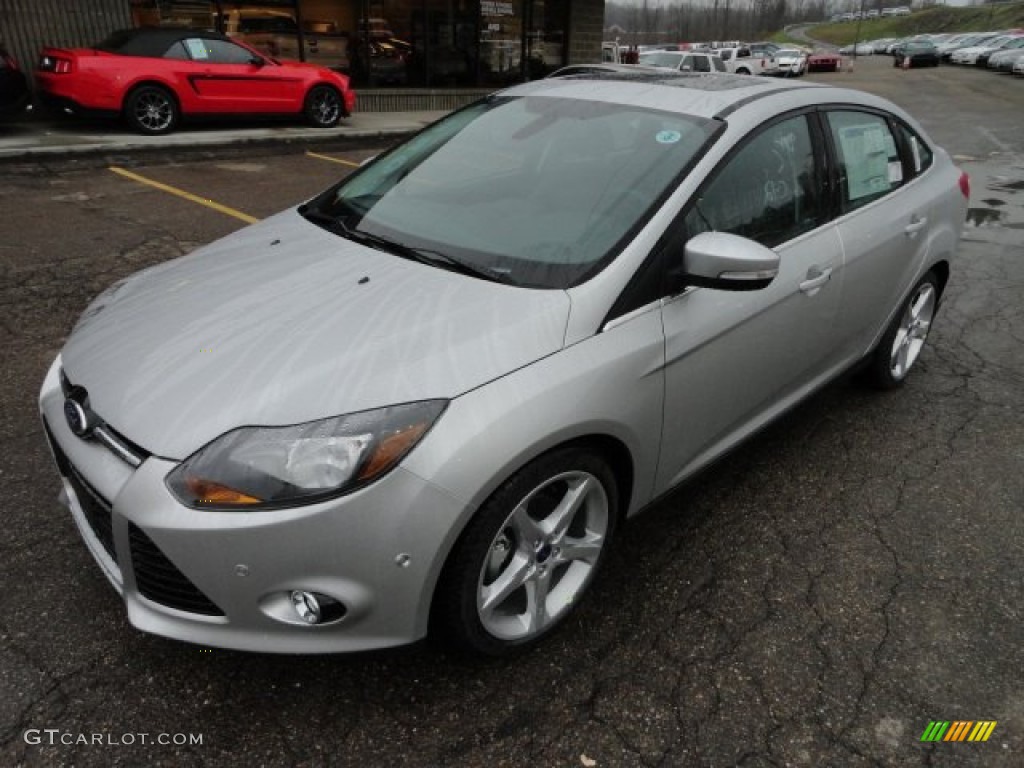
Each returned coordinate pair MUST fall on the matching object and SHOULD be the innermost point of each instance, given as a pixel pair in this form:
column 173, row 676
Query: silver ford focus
column 426, row 399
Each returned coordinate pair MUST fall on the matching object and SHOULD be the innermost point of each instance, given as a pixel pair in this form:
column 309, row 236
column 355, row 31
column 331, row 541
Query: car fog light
column 316, row 608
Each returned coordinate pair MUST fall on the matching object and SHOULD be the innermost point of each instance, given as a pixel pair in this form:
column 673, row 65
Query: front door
column 735, row 359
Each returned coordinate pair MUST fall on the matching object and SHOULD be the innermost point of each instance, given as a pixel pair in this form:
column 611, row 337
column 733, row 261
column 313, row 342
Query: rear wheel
column 323, row 107
column 529, row 555
column 152, row 110
column 903, row 340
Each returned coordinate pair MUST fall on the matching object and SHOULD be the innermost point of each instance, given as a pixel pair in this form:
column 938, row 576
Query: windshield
column 534, row 191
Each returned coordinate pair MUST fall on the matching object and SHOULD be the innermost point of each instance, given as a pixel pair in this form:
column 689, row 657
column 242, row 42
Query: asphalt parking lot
column 815, row 599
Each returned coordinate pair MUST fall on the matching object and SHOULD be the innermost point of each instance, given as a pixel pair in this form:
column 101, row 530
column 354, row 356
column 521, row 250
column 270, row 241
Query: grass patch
column 941, row 18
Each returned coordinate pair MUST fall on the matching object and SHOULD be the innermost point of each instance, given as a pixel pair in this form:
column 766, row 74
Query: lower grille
column 159, row 580
column 96, row 510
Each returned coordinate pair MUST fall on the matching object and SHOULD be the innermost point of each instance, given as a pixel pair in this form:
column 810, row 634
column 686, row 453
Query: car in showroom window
column 428, row 397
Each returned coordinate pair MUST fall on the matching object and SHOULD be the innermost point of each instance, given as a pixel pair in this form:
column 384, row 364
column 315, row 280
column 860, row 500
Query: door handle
column 816, row 277
column 917, row 223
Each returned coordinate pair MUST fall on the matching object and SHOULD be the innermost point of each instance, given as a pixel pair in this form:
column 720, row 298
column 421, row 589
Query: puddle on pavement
column 1004, row 184
column 984, row 217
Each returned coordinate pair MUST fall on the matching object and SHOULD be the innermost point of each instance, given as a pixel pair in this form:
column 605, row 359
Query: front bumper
column 223, row 578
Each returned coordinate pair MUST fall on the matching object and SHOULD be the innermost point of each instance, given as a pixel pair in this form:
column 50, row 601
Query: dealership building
column 401, row 54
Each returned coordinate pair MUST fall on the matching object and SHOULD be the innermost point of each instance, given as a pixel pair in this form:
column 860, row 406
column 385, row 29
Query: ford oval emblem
column 78, row 419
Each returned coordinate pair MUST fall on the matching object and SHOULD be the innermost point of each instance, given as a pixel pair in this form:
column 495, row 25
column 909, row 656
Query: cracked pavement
column 814, row 599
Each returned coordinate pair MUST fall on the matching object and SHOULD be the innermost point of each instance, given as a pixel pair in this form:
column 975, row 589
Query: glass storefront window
column 381, row 43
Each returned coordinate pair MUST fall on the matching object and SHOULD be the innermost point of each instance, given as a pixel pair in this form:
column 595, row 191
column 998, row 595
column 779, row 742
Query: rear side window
column 869, row 162
column 920, row 156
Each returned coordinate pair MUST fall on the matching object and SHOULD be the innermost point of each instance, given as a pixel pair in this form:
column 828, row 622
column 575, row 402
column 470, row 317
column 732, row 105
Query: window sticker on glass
column 895, row 172
column 668, row 137
column 867, row 161
column 197, row 49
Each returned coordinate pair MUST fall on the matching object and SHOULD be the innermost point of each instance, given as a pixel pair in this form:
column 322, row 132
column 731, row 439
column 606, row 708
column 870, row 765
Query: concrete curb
column 47, row 141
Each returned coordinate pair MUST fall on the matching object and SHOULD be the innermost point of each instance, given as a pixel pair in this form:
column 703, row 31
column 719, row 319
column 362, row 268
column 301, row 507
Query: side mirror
column 727, row 262
column 257, row 61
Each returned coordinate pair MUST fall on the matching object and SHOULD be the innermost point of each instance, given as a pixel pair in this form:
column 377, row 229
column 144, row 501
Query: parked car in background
column 683, row 61
column 788, row 62
column 431, row 394
column 276, row 34
column 1018, row 66
column 972, row 53
column 740, row 60
column 1003, row 61
column 916, row 53
column 824, row 61
column 14, row 90
column 986, row 53
column 155, row 77
column 859, row 49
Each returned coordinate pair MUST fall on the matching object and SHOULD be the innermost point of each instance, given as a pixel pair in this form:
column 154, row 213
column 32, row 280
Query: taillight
column 54, row 64
column 965, row 185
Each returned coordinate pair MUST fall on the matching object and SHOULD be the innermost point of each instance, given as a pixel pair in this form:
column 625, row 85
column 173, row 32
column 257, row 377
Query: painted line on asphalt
column 332, row 159
column 186, row 195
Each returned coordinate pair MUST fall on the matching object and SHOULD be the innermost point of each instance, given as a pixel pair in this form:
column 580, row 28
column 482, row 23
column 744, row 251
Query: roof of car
column 151, row 41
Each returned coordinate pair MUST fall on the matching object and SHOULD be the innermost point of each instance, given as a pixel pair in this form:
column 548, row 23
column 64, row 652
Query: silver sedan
column 425, row 400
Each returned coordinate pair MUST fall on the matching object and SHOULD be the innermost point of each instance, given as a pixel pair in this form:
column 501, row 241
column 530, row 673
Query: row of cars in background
column 153, row 77
column 1002, row 51
column 762, row 58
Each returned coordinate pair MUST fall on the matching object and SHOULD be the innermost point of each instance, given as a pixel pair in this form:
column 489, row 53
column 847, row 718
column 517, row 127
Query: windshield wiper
column 422, row 255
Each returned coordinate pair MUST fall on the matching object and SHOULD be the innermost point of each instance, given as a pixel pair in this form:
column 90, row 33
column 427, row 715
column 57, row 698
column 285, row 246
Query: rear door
column 884, row 221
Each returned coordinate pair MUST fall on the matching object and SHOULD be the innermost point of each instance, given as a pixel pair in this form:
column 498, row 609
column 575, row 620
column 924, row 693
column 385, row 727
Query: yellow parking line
column 187, row 195
column 333, row 159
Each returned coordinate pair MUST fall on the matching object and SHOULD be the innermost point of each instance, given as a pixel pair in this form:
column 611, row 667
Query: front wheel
column 903, row 340
column 151, row 110
column 323, row 107
column 529, row 555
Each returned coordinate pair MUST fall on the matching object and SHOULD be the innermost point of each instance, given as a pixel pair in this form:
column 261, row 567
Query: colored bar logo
column 958, row 730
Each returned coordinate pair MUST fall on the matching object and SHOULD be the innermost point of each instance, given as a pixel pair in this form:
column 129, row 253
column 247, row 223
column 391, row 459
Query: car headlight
column 266, row 467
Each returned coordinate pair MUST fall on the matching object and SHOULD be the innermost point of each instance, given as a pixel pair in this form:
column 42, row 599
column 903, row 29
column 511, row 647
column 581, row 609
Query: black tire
column 898, row 350
column 152, row 110
column 742, row 71
column 493, row 547
column 324, row 107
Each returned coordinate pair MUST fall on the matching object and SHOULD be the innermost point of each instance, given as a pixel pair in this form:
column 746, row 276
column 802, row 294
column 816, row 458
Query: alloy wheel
column 543, row 556
column 913, row 330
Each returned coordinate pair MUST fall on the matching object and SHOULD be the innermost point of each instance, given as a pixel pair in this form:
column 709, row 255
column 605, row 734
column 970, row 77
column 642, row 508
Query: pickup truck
column 742, row 61
column 277, row 34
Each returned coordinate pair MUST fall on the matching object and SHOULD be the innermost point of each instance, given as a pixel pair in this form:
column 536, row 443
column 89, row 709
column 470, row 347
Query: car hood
column 282, row 323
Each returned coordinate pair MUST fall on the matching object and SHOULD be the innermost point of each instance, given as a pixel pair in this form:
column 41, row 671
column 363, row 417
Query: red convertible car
column 154, row 77
column 824, row 61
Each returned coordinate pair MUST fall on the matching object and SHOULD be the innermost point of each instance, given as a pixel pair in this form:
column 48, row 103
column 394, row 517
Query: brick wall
column 586, row 29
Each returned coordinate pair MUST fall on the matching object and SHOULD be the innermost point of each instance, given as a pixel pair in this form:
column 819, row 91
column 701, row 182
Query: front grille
column 129, row 452
column 159, row 580
column 95, row 508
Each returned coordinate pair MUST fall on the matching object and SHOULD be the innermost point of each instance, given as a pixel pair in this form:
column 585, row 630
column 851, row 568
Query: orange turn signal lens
column 209, row 492
column 390, row 450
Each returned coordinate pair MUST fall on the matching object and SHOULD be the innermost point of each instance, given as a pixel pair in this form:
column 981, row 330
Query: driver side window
column 767, row 191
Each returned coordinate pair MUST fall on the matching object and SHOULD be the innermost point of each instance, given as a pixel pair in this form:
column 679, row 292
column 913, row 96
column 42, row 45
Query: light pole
column 856, row 40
